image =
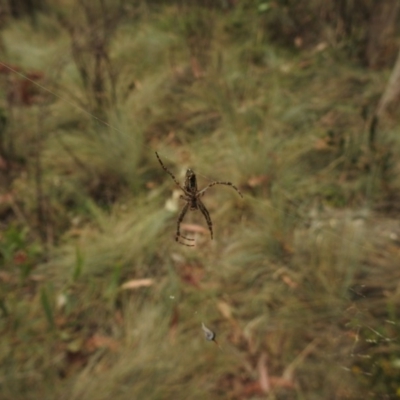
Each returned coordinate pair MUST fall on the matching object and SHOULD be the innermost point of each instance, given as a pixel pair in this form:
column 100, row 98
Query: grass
column 300, row 281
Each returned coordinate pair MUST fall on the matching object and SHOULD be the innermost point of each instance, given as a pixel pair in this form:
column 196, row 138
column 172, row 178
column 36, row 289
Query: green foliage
column 79, row 264
column 17, row 251
column 47, row 305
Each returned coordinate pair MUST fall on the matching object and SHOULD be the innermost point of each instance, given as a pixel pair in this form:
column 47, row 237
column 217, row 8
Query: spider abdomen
column 192, row 198
column 193, row 205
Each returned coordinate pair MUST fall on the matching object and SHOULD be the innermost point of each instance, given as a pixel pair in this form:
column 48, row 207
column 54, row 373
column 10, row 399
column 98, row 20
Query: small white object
column 61, row 300
column 208, row 333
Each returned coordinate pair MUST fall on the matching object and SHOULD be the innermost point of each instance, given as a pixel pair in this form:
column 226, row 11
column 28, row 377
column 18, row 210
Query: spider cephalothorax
column 192, row 197
column 191, row 187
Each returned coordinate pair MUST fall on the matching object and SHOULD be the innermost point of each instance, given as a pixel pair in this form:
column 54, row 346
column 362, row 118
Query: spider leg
column 201, row 193
column 206, row 214
column 169, row 172
column 178, row 232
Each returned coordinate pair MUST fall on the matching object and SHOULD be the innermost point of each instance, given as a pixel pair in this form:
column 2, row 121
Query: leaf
column 20, row 257
column 225, row 309
column 99, row 341
column 258, row 180
column 79, row 260
column 3, row 307
column 289, row 281
column 263, row 7
column 194, row 228
column 113, row 285
column 6, row 277
column 263, row 377
column 47, row 306
column 191, row 274
column 75, row 346
column 173, row 325
column 137, row 283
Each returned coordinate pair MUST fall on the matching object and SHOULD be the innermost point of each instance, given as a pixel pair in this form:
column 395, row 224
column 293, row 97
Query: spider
column 192, row 197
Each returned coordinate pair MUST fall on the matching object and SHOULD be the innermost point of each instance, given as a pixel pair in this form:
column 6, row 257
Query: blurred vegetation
column 300, row 283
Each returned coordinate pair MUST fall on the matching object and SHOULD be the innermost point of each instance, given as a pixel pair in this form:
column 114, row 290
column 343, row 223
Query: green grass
column 300, row 281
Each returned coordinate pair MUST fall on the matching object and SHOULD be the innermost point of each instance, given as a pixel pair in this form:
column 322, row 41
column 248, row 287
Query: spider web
column 370, row 328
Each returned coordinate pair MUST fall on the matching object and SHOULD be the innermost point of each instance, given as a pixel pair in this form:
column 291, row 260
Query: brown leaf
column 250, row 389
column 305, row 64
column 61, row 321
column 173, row 325
column 194, row 228
column 76, row 232
column 119, row 319
column 191, row 274
column 150, row 185
column 196, row 68
column 320, row 47
column 263, row 376
column 277, row 381
column 298, row 41
column 20, row 257
column 6, row 198
column 322, row 144
column 3, row 166
column 5, row 277
column 137, row 283
column 258, row 180
column 100, row 341
column 225, row 309
column 38, row 278
column 289, row 281
column 76, row 360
